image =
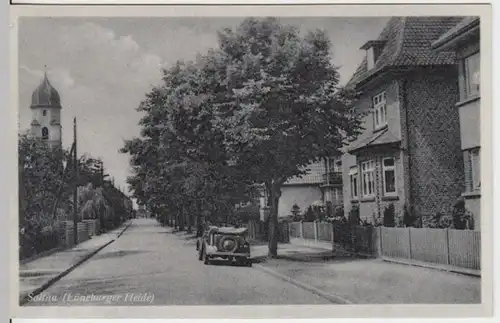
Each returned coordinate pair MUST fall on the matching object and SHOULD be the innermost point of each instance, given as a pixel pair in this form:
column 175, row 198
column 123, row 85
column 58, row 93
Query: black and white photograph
column 250, row 160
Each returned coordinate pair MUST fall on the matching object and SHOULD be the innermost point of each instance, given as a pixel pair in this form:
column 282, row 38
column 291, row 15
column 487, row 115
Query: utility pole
column 75, row 191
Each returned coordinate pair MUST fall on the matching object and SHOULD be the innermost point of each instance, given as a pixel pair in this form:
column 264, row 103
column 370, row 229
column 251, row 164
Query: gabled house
column 464, row 40
column 321, row 184
column 302, row 191
column 409, row 153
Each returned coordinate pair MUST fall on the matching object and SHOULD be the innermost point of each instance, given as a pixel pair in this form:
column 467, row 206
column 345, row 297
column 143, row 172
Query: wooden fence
column 257, row 230
column 461, row 248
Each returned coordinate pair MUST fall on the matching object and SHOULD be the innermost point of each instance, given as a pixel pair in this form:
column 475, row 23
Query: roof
column 383, row 137
column 231, row 230
column 467, row 24
column 407, row 42
column 313, row 176
column 45, row 95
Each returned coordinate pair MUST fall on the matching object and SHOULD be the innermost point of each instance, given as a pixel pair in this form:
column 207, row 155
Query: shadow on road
column 221, row 262
column 121, row 253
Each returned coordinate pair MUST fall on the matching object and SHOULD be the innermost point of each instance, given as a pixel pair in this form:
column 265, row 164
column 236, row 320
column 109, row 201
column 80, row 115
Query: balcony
column 332, row 179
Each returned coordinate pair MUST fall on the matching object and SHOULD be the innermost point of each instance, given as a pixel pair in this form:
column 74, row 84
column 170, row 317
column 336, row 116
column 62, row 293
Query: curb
column 27, row 297
column 126, row 227
column 331, row 297
column 430, row 266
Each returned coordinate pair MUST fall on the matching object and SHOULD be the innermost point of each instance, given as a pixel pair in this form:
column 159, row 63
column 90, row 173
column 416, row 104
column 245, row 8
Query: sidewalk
column 351, row 280
column 37, row 275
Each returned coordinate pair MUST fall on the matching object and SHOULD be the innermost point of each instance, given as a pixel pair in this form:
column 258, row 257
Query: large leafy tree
column 180, row 162
column 258, row 109
column 282, row 107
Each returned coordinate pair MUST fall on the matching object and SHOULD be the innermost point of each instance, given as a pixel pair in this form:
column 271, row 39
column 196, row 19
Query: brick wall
column 435, row 162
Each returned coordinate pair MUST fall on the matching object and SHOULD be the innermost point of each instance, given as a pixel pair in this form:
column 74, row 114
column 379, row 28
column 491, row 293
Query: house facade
column 464, row 40
column 302, row 191
column 409, row 153
column 321, row 184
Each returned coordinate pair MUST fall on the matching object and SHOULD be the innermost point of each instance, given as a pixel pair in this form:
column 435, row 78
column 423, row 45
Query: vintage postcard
column 283, row 161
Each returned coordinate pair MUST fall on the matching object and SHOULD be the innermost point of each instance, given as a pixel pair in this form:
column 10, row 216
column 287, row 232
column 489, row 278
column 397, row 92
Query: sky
column 103, row 67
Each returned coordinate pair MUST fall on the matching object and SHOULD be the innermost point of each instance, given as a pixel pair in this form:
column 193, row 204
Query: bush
column 354, row 218
column 296, row 213
column 309, row 215
column 459, row 215
column 409, row 219
column 389, row 216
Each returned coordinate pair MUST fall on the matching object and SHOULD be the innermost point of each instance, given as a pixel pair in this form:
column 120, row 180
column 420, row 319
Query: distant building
column 409, row 152
column 46, row 110
column 464, row 40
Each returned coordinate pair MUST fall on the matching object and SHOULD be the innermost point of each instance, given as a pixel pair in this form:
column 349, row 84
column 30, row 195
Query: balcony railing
column 332, row 178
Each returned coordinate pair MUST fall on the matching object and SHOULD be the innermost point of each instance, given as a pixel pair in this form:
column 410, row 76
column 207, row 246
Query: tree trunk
column 188, row 220
column 274, row 196
column 181, row 219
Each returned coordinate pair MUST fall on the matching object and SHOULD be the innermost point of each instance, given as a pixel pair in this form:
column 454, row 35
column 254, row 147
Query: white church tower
column 46, row 110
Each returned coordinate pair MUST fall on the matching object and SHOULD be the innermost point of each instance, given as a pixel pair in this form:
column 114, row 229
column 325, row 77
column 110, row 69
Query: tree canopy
column 256, row 110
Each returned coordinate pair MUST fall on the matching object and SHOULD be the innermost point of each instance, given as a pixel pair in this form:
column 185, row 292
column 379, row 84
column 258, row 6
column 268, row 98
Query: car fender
column 210, row 249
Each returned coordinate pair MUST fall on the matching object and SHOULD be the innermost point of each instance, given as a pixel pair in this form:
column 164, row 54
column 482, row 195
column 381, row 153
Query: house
column 409, row 153
column 464, row 40
column 321, row 184
column 302, row 191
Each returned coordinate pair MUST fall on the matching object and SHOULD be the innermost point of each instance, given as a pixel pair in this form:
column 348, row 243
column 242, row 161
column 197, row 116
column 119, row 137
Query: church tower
column 46, row 110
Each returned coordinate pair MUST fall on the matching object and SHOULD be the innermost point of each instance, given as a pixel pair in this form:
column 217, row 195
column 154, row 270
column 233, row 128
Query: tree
column 256, row 110
column 180, row 164
column 279, row 104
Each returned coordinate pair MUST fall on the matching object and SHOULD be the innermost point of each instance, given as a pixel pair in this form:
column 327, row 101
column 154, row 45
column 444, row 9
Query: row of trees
column 46, row 185
column 256, row 110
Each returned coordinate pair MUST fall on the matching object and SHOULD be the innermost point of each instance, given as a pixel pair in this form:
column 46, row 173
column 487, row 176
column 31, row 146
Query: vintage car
column 226, row 243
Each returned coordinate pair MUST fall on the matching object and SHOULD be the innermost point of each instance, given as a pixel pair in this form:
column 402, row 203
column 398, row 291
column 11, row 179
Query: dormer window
column 373, row 50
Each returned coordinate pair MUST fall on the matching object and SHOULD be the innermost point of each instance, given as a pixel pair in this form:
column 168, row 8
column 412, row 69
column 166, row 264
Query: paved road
column 148, row 265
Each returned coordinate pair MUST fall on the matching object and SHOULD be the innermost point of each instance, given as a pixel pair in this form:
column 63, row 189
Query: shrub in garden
column 354, row 218
column 309, row 215
column 409, row 218
column 389, row 216
column 459, row 215
column 296, row 213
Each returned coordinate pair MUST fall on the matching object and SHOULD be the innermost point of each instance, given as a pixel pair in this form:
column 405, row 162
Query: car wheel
column 248, row 262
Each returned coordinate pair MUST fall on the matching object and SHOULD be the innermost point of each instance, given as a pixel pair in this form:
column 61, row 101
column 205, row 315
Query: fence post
column 315, row 231
column 381, row 251
column 409, row 243
column 447, row 246
column 301, row 231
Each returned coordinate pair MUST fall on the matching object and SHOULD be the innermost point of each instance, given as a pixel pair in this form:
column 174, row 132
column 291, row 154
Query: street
column 148, row 265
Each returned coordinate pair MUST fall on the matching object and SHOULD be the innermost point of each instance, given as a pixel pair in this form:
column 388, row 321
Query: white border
column 259, row 311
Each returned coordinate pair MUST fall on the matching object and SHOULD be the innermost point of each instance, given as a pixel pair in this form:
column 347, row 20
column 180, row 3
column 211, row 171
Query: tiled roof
column 314, row 176
column 383, row 137
column 408, row 43
column 462, row 26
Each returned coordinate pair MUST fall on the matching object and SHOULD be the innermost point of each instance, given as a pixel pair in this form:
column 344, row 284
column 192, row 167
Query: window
column 475, row 163
column 45, row 133
column 379, row 110
column 353, row 179
column 389, row 176
column 368, row 178
column 44, row 113
column 472, row 75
